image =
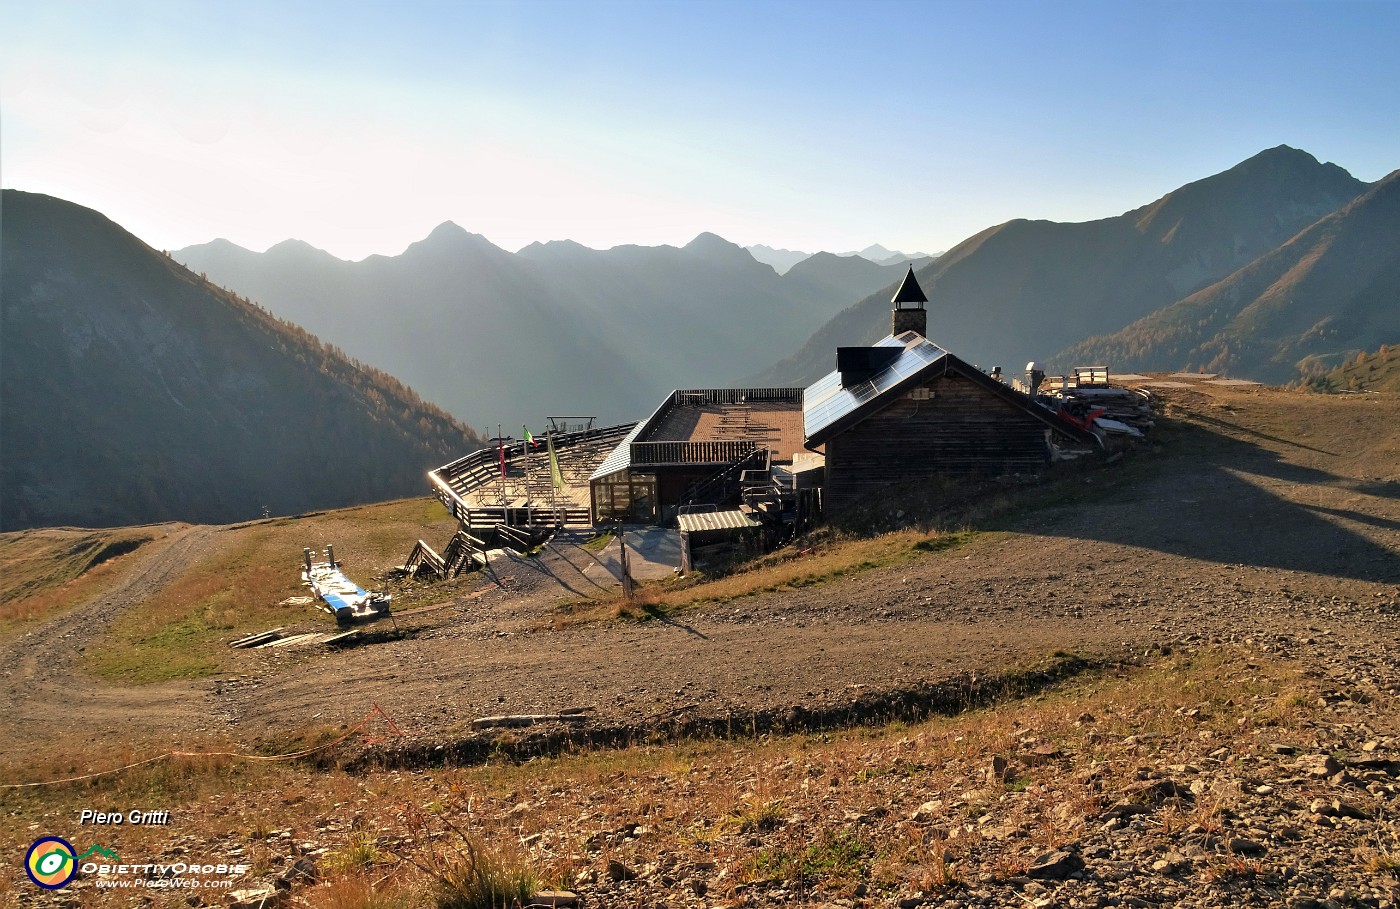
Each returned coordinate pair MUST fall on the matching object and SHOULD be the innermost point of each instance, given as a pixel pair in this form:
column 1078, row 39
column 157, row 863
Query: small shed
column 711, row 530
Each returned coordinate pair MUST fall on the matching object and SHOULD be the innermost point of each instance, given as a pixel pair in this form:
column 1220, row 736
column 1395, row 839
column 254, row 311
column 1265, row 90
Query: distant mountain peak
column 1279, row 176
column 882, row 256
column 709, row 244
column 555, row 247
column 450, row 237
column 293, row 247
column 706, row 239
column 221, row 244
column 448, row 229
column 780, row 259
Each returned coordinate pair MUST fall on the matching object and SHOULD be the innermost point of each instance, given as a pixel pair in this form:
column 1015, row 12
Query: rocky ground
column 1237, row 584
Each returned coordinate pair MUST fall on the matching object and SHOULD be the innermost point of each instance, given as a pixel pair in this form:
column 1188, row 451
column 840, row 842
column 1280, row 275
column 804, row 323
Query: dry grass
column 794, row 808
column 46, row 571
column 826, row 557
column 239, row 584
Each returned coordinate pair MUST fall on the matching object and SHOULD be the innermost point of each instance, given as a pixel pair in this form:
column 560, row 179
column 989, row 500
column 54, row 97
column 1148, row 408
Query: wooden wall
column 963, row 429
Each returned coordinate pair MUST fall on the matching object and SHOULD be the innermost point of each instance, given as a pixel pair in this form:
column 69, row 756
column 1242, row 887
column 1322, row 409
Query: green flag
column 554, row 474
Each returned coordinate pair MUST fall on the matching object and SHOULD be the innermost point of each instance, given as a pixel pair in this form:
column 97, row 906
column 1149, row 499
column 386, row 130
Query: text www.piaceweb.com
column 163, row 884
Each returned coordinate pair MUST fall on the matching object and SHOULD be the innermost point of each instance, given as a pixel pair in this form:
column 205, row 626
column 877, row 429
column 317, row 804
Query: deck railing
column 655, row 453
column 452, row 482
column 709, row 397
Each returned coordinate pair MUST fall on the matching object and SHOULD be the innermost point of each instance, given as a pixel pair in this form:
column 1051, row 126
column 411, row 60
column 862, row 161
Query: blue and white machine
column 343, row 598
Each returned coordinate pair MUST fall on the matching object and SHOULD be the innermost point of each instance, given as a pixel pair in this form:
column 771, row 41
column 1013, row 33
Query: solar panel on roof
column 826, row 401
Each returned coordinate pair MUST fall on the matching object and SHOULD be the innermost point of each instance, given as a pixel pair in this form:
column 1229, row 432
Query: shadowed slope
column 134, row 391
column 1025, row 289
column 1329, row 292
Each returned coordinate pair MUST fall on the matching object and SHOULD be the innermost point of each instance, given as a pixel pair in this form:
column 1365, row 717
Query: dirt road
column 1266, row 516
column 1278, row 520
column 50, row 698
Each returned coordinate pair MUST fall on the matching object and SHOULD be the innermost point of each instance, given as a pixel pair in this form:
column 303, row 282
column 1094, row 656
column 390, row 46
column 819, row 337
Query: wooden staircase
column 464, row 552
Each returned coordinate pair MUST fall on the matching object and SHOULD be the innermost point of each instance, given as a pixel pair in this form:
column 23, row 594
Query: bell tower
column 909, row 313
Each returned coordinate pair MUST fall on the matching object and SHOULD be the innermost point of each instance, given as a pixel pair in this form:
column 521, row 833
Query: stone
column 617, row 871
column 1322, row 807
column 555, row 898
column 1055, row 866
column 1041, row 754
column 1242, row 846
column 926, row 812
column 303, row 870
column 261, row 898
column 1154, row 792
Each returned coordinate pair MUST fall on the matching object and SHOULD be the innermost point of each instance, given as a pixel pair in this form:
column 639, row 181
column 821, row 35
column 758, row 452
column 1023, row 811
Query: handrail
column 691, row 452
column 724, row 478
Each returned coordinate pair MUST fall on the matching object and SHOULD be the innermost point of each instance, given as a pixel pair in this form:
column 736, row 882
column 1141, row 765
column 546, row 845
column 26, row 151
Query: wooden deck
column 476, row 493
column 775, row 425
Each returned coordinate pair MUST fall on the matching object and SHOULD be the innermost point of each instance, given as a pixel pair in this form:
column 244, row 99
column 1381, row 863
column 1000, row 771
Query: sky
column 358, row 126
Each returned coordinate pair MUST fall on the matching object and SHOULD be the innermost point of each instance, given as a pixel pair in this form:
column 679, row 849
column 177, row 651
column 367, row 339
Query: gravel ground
column 1266, row 528
column 1271, row 512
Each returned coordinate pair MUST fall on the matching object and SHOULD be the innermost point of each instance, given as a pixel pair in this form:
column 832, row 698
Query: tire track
column 41, row 675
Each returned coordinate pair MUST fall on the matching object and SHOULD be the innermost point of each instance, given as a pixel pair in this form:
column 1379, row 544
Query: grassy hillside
column 1376, row 371
column 1169, row 680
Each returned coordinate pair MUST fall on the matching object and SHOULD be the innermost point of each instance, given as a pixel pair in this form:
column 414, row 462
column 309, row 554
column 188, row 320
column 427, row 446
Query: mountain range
column 557, row 328
column 134, row 392
column 1036, row 290
column 784, row 259
column 1328, row 292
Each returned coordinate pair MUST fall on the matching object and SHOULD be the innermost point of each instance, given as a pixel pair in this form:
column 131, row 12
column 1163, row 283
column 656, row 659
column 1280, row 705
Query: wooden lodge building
column 907, row 410
column 699, row 448
column 902, row 411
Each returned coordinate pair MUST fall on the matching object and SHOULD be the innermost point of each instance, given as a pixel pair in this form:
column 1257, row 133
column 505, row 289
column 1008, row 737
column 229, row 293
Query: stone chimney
column 909, row 313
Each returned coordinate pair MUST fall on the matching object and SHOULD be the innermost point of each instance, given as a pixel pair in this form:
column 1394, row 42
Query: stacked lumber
column 1129, row 406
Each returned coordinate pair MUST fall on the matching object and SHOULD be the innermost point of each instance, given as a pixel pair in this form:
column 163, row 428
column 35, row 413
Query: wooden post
column 623, row 563
column 685, row 553
column 501, row 469
column 529, row 475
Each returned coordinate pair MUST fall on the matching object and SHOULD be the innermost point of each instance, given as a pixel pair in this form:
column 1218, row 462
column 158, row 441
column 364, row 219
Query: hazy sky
column 359, row 126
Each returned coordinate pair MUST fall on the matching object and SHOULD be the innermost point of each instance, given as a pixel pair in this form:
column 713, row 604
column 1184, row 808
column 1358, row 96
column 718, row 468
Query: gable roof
column 828, row 408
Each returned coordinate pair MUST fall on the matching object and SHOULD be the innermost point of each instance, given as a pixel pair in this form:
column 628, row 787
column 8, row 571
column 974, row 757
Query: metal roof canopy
column 829, row 408
column 701, row 522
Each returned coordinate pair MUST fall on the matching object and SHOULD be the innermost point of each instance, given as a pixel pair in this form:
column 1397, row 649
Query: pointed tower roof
column 909, row 291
